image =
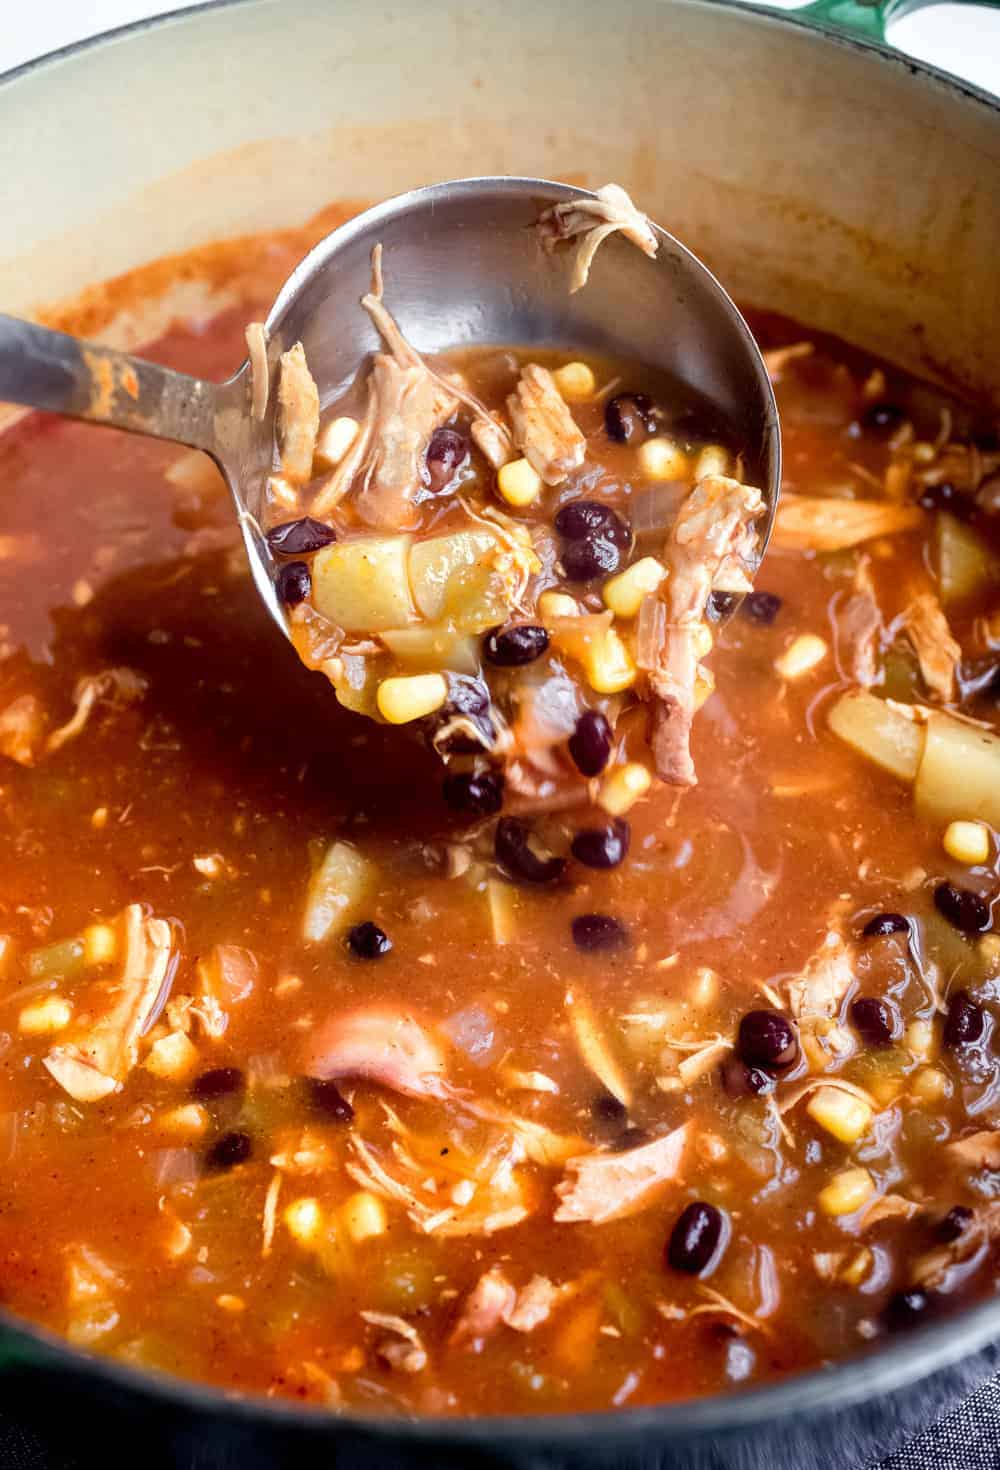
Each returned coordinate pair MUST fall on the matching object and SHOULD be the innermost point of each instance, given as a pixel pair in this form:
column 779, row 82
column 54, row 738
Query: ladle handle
column 44, row 369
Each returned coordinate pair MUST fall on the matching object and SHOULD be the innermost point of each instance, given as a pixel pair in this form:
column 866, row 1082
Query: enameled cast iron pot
column 819, row 174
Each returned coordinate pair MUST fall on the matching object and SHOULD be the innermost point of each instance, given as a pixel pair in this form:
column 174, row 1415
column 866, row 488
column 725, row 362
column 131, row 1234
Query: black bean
column 945, row 496
column 232, row 1148
column 720, row 605
column 698, row 1239
column 299, row 538
column 767, row 1039
column 633, row 1137
column 884, row 924
column 479, row 793
column 367, row 941
column 761, row 607
column 592, row 932
column 446, row 453
column 883, row 419
column 607, row 1109
column 965, row 1022
column 509, row 648
column 968, row 911
column 219, row 1082
column 293, row 583
column 584, row 560
column 518, row 859
column 328, row 1101
column 954, row 1225
column 628, row 417
column 580, row 520
column 906, row 1309
column 979, row 677
column 602, row 847
column 875, row 1019
column 739, row 1080
column 590, row 743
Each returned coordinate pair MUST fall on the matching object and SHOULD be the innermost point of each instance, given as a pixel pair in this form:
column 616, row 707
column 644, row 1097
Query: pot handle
column 869, row 18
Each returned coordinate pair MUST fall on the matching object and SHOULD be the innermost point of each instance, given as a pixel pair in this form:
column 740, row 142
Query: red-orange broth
column 201, row 1217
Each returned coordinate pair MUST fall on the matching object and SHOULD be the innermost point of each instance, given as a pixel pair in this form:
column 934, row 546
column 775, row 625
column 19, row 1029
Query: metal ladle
column 464, row 267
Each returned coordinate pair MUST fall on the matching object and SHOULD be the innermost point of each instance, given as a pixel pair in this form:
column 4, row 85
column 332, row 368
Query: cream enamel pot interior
column 816, row 174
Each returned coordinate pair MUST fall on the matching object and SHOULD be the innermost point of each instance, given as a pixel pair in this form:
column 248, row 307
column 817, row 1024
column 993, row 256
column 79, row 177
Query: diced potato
column 959, row 773
column 846, row 1192
column 846, row 1117
column 363, row 1216
column 557, row 605
column 437, row 563
column 173, row 1056
column 965, row 565
column 363, row 585
column 340, row 883
column 875, row 730
column 967, row 842
column 304, row 1220
column 411, row 697
column 712, row 460
column 429, row 647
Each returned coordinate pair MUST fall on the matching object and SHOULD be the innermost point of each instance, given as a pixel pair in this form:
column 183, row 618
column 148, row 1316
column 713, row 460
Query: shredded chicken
column 978, row 1151
column 598, row 1187
column 403, row 1351
column 890, row 1207
column 592, row 221
column 117, row 687
column 492, row 439
column 22, row 729
column 824, row 981
column 779, row 357
column 594, row 1049
column 383, row 1044
column 713, row 529
column 939, row 655
column 97, row 1057
column 544, row 429
column 858, row 627
column 933, row 1269
column 407, row 401
column 818, row 523
column 298, row 415
column 495, row 1302
column 256, row 340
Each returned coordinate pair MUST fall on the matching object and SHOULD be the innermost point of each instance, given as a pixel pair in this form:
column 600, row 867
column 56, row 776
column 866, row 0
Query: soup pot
column 818, row 173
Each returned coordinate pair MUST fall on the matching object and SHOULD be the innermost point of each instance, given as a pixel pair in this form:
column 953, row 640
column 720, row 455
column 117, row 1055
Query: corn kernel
column 575, row 381
column 410, row 697
column 608, row 664
column 857, row 1267
column 230, row 1303
column 99, row 818
column 188, row 1121
column 100, row 944
column 704, row 685
column 989, row 952
column 172, row 1056
column 919, row 1038
column 624, row 593
column 967, row 842
column 846, row 1117
column 45, row 1016
column 334, row 441
column 623, row 787
column 930, row 1085
column 6, row 950
column 364, row 1216
column 557, row 605
column 846, row 1192
column 282, row 490
column 519, row 483
column 662, row 459
column 799, row 657
column 712, row 460
column 304, row 1220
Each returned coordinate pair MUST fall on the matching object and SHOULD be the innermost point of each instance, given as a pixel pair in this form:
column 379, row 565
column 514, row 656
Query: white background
column 959, row 38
